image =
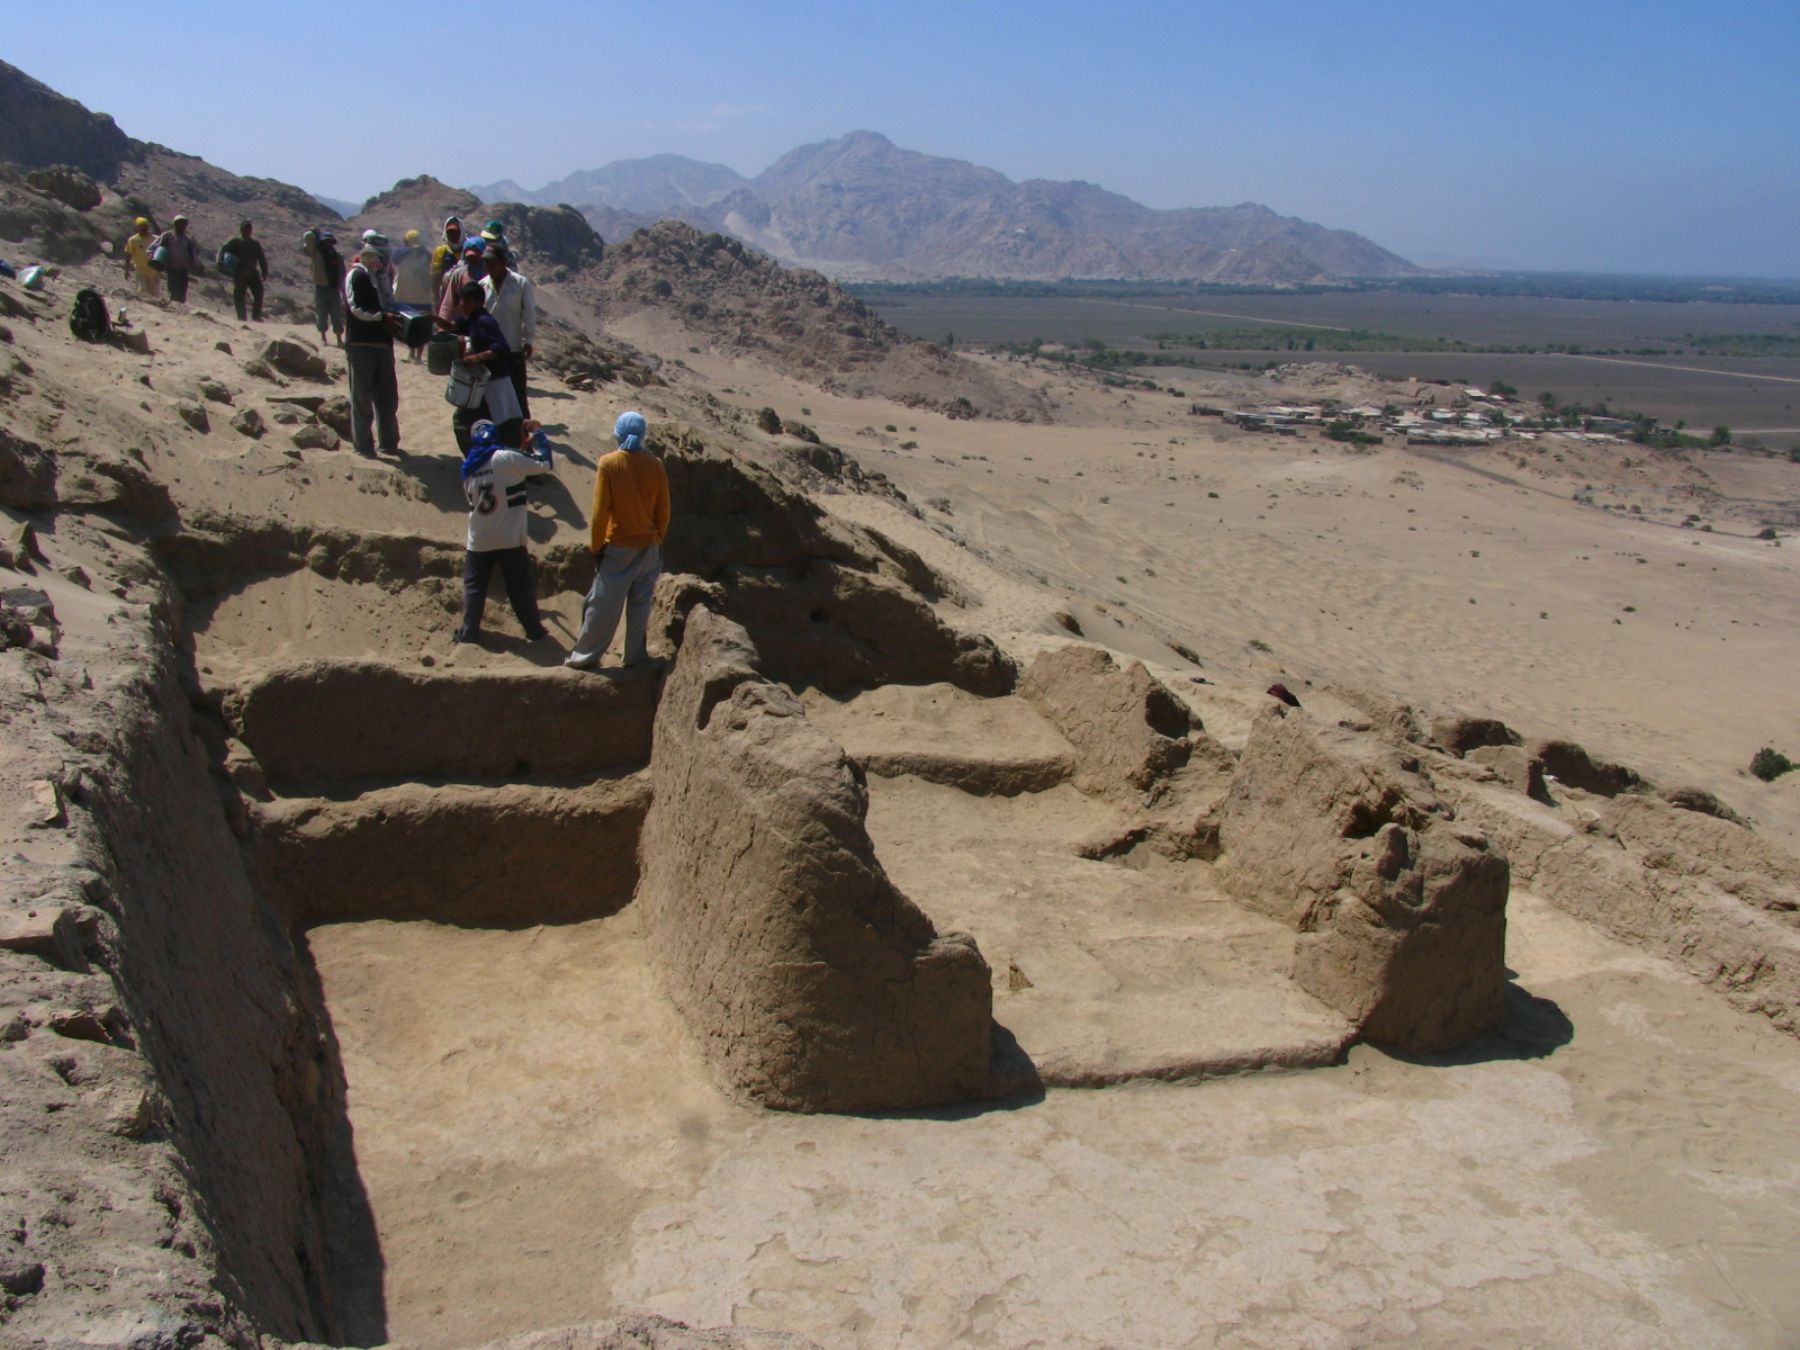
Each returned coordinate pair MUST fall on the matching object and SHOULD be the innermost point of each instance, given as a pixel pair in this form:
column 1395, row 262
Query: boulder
column 249, row 423
column 1127, row 729
column 810, row 982
column 213, row 391
column 1400, row 914
column 294, row 358
column 194, row 414
column 70, row 186
column 312, row 436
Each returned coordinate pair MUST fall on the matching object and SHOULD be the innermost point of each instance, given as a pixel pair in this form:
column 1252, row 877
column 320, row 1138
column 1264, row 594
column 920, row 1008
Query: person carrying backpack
column 320, row 246
column 248, row 273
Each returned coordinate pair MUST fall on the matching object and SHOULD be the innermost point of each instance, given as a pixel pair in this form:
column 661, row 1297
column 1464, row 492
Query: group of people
column 175, row 254
column 464, row 284
column 626, row 528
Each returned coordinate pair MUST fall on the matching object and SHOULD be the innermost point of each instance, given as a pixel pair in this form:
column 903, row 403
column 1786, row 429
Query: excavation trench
column 517, row 954
column 442, row 1002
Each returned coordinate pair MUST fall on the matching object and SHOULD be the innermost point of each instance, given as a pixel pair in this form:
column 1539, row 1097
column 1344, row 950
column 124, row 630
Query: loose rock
column 335, row 413
column 315, row 437
column 293, row 358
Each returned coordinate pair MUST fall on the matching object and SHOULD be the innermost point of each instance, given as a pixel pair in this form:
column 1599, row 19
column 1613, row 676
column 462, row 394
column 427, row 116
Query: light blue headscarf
column 629, row 430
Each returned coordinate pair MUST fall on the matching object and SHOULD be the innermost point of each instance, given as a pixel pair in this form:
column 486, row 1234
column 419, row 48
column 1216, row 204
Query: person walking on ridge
column 138, row 247
column 252, row 271
column 625, row 532
column 183, row 255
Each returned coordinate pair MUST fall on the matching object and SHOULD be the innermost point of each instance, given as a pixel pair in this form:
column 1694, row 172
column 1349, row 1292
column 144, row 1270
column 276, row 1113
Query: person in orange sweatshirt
column 625, row 532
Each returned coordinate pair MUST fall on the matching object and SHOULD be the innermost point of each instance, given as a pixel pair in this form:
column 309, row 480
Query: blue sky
column 1586, row 134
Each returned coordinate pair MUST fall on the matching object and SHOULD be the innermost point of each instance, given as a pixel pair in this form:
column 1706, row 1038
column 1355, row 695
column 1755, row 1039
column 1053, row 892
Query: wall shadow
column 357, row 1272
column 1532, row 1028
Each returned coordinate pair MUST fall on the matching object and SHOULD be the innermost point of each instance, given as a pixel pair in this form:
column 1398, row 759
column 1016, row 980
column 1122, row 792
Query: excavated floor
column 1103, row 971
column 539, row 1146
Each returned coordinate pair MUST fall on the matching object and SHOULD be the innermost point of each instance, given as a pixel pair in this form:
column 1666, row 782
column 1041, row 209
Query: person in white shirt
column 512, row 300
column 493, row 479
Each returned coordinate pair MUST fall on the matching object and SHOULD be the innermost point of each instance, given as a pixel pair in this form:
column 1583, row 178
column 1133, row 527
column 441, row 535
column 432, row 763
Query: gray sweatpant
column 374, row 398
column 624, row 581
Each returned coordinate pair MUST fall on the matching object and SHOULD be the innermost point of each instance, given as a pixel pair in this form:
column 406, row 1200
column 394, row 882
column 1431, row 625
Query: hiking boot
column 579, row 661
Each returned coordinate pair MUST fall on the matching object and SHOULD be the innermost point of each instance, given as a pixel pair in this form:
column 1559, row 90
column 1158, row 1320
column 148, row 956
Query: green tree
column 1721, row 435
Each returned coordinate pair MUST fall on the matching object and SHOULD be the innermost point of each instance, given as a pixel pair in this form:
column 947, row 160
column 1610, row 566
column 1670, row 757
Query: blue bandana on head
column 483, row 441
column 629, row 430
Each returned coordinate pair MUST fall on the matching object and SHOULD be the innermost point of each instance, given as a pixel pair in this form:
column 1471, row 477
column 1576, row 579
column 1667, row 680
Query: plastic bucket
column 441, row 351
column 418, row 330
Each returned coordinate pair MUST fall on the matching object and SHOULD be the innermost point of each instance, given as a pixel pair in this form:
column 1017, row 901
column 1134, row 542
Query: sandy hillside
column 538, row 1139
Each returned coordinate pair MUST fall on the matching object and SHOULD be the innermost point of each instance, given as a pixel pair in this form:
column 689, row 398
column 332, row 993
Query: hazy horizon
column 1612, row 137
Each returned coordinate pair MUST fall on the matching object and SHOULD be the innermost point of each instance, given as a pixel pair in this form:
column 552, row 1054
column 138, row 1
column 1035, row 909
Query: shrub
column 1769, row 764
column 769, row 420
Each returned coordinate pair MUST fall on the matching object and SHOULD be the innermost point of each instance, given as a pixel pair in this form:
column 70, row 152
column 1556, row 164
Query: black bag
column 88, row 320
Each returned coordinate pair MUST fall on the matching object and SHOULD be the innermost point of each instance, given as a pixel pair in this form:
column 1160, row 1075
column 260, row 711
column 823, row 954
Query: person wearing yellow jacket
column 625, row 532
column 138, row 249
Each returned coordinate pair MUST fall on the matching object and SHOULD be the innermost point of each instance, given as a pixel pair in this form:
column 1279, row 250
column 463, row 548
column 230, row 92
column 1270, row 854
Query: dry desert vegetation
column 952, row 942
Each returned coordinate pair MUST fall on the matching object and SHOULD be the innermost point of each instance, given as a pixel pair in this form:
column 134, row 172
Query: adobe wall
column 1400, row 913
column 809, row 980
column 325, row 719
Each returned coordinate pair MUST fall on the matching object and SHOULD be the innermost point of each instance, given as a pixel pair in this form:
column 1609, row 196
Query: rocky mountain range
column 860, row 207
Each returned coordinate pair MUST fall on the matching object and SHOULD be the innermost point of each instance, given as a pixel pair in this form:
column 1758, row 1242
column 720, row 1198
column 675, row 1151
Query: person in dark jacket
column 369, row 350
column 252, row 271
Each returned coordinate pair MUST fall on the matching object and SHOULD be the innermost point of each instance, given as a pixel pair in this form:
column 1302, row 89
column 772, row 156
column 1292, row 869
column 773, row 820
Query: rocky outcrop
column 1128, row 731
column 809, row 980
column 40, row 127
column 1401, row 914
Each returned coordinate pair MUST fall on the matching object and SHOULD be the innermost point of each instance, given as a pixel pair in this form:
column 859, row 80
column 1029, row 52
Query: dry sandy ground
column 540, row 1146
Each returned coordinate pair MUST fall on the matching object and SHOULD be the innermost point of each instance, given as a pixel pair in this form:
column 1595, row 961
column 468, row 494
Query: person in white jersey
column 494, row 481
